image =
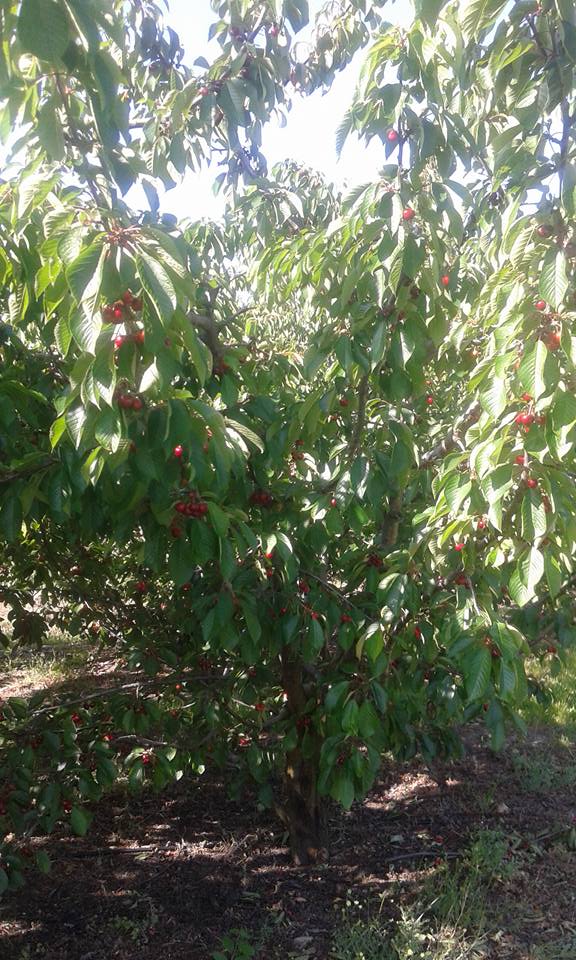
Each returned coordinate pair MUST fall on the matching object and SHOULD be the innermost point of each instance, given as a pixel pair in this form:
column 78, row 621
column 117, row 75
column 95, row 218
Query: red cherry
column 259, row 707
column 108, row 314
column 107, row 737
column 343, row 402
column 408, row 214
column 127, row 298
column 418, row 633
column 540, row 305
column 139, row 337
column 269, row 574
column 485, row 707
column 204, row 91
column 66, row 806
column 551, row 649
column 178, row 451
column 532, row 483
column 146, row 759
column 180, row 507
column 429, row 401
column 141, row 586
column 526, row 397
column 175, row 531
column 392, row 136
column 345, row 618
column 333, row 502
column 458, row 547
column 303, row 586
column 481, row 524
column 553, row 340
column 118, row 342
column 520, row 459
column 137, row 403
column 445, row 280
column 118, row 310
column 76, row 718
column 544, row 231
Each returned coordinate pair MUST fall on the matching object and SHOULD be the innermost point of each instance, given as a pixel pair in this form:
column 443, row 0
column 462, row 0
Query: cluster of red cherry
column 116, row 312
column 193, row 507
column 261, row 499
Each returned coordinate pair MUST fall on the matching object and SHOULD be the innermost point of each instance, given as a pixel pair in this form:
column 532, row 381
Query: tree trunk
column 301, row 810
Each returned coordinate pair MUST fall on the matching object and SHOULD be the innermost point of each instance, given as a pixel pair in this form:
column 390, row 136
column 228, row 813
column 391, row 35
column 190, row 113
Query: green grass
column 449, row 918
column 63, row 657
column 559, row 708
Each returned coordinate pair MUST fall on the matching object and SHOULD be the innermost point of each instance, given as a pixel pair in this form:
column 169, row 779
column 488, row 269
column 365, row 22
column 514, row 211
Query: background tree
column 315, row 550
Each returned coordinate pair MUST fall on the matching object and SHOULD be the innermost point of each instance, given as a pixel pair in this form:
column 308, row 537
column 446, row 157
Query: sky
column 309, row 136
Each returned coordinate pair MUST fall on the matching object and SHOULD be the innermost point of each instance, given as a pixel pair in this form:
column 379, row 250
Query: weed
column 236, row 945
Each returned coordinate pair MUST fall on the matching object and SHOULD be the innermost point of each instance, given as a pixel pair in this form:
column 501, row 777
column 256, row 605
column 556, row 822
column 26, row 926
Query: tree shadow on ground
column 165, row 876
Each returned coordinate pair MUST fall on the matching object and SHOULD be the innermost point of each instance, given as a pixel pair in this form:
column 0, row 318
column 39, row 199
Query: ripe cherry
column 66, row 806
column 520, row 459
column 343, row 401
column 418, row 633
column 544, row 231
column 259, row 707
column 118, row 310
column 445, row 280
column 180, row 507
column 333, row 502
column 540, row 305
column 137, row 403
column 127, row 298
column 146, row 759
column 141, row 586
column 204, row 91
column 532, row 483
column 118, row 341
column 481, row 525
column 392, row 136
column 526, row 397
column 176, row 531
column 429, row 400
column 139, row 337
column 458, row 547
column 553, row 340
column 124, row 401
column 76, row 719
column 524, row 418
column 178, row 451
column 551, row 649
column 408, row 214
column 345, row 618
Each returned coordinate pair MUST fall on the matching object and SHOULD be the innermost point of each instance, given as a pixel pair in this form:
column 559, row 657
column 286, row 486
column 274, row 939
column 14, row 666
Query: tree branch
column 452, row 439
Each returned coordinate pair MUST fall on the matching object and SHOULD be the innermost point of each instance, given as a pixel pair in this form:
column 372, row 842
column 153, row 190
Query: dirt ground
column 164, row 877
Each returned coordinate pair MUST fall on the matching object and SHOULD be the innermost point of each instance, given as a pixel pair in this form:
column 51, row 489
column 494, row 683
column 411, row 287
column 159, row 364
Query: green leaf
column 11, row 518
column 43, row 862
column 350, row 718
column 553, row 282
column 219, row 519
column 43, row 29
column 553, row 572
column 79, row 821
column 531, row 370
column 158, row 286
column 81, row 271
column 477, row 670
column 526, row 577
column 493, row 397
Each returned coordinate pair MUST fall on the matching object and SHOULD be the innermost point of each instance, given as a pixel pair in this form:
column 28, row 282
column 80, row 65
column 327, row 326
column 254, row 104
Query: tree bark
column 302, row 810
column 303, row 813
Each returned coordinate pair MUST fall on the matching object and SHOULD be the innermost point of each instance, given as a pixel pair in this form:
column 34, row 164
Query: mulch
column 164, row 877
